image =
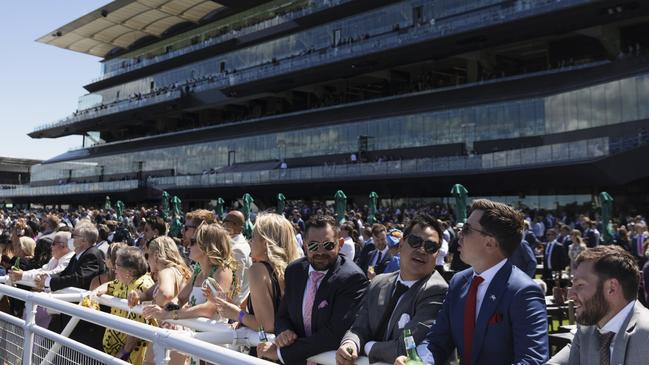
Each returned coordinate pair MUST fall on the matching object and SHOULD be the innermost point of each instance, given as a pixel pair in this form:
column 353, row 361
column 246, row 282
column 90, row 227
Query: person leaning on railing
column 211, row 249
column 171, row 274
column 272, row 248
column 130, row 275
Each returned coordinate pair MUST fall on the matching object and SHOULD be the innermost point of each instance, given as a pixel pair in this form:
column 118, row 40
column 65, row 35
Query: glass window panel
column 598, row 99
column 642, row 87
column 629, row 99
column 613, row 102
column 584, row 108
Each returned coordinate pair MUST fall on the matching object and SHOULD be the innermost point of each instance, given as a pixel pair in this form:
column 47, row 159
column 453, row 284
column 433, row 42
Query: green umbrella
column 176, row 225
column 107, row 204
column 247, row 227
column 460, row 193
column 119, row 207
column 607, row 212
column 164, row 204
column 220, row 210
column 281, row 203
column 371, row 213
column 341, row 206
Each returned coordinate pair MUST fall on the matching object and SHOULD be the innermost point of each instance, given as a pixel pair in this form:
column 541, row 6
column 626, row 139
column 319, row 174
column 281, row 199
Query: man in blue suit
column 493, row 313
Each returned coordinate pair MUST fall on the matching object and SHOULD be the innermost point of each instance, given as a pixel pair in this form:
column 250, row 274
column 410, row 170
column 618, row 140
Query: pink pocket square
column 323, row 304
column 496, row 318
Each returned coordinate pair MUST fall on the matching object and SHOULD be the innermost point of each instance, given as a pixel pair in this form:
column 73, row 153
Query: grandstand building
column 511, row 98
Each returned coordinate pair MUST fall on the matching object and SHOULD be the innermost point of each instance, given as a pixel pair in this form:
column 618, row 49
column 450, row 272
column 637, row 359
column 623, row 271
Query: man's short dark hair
column 424, row 220
column 613, row 262
column 320, row 221
column 503, row 222
column 378, row 228
column 157, row 223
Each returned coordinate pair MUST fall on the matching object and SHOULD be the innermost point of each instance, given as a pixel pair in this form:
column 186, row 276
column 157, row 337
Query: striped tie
column 605, row 347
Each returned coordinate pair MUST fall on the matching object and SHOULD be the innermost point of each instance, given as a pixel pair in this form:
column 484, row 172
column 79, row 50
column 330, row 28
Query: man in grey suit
column 409, row 298
column 613, row 325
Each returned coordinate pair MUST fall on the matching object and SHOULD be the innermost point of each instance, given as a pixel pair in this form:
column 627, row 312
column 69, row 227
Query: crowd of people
column 361, row 287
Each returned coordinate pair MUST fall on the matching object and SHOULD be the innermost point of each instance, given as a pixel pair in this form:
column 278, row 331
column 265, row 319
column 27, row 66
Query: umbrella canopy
column 341, row 206
column 607, row 212
column 281, row 203
column 460, row 193
column 220, row 207
column 247, row 204
column 107, row 204
column 371, row 213
column 164, row 204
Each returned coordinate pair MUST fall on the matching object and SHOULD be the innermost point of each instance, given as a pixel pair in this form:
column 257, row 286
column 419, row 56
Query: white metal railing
column 201, row 344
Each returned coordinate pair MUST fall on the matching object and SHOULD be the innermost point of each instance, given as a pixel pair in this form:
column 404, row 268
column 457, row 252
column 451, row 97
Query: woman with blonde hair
column 211, row 250
column 272, row 247
column 171, row 275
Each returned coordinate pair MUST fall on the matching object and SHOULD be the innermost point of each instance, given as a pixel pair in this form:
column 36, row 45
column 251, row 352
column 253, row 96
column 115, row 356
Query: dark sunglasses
column 313, row 245
column 192, row 241
column 466, row 230
column 416, row 242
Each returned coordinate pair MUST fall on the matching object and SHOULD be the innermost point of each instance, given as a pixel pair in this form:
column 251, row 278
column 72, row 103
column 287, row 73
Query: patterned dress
column 114, row 340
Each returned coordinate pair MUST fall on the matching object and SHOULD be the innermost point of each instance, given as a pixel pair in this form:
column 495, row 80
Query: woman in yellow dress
column 130, row 275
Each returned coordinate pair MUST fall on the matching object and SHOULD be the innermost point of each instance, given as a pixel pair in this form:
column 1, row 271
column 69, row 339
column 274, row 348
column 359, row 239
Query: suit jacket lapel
column 491, row 299
column 622, row 338
column 403, row 306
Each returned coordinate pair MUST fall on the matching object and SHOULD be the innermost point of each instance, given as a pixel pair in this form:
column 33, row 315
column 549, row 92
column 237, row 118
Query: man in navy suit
column 323, row 294
column 379, row 257
column 493, row 313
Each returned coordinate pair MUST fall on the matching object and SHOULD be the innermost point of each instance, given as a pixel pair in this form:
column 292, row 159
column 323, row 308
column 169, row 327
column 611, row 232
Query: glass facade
column 604, row 104
column 355, row 29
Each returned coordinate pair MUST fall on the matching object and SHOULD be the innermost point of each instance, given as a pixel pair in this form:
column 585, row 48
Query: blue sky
column 40, row 83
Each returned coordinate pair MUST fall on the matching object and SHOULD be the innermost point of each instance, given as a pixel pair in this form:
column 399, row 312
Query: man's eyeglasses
column 429, row 246
column 466, row 230
column 187, row 226
column 60, row 243
column 328, row 245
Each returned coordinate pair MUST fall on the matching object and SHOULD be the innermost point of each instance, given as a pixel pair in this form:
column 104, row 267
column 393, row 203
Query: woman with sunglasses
column 272, row 248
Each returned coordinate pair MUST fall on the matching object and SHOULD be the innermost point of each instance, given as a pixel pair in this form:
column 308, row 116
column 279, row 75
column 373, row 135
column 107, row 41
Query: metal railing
column 22, row 341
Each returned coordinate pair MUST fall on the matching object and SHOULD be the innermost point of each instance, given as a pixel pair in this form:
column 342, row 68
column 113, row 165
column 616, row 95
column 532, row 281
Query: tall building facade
column 512, row 98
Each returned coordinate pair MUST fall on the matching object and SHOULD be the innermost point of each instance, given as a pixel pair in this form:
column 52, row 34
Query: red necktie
column 469, row 319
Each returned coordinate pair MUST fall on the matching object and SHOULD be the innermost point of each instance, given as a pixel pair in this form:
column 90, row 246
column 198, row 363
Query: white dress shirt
column 52, row 267
column 615, row 324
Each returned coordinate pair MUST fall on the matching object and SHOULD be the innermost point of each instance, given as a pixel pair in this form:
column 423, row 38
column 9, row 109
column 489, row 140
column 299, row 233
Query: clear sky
column 39, row 83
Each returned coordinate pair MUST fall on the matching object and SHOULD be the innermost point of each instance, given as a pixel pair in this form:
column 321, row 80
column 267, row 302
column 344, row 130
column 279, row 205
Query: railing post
column 160, row 352
column 28, row 335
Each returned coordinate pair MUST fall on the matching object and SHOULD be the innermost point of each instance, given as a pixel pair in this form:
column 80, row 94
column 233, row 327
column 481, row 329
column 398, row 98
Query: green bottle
column 262, row 335
column 411, row 349
column 16, row 264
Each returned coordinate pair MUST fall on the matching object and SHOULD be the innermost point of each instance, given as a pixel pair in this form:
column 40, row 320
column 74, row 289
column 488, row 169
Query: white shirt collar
column 408, row 283
column 489, row 274
column 311, row 269
column 615, row 324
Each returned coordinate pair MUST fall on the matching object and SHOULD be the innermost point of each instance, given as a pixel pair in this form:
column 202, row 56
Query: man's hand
column 39, row 281
column 267, row 350
column 285, row 338
column 346, row 353
column 16, row 275
column 401, row 360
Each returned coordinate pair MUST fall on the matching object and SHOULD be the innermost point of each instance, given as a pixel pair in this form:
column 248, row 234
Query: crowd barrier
column 206, row 341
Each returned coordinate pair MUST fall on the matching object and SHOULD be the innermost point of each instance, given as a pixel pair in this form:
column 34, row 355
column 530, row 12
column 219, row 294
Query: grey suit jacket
column 420, row 303
column 631, row 344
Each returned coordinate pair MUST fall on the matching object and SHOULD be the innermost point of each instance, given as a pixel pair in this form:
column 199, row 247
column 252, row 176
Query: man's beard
column 594, row 309
column 322, row 266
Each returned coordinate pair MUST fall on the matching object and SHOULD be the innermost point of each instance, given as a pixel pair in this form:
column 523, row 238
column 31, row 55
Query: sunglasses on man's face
column 328, row 245
column 416, row 242
column 192, row 241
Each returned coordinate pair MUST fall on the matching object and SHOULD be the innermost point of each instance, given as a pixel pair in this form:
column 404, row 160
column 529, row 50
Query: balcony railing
column 134, row 64
column 307, row 59
column 68, row 189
